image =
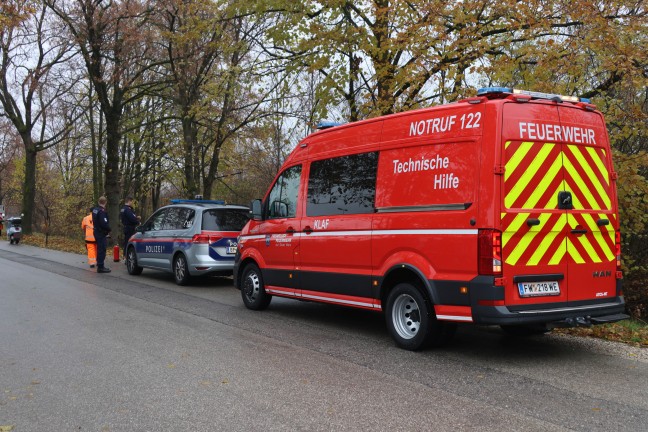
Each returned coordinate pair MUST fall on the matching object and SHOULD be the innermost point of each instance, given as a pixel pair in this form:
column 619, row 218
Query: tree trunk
column 113, row 137
column 29, row 185
column 190, row 137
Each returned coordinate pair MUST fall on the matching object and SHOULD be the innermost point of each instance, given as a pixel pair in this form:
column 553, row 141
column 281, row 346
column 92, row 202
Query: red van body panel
column 422, row 196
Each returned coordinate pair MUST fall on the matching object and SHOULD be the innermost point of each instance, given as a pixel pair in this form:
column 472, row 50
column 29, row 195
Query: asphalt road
column 81, row 351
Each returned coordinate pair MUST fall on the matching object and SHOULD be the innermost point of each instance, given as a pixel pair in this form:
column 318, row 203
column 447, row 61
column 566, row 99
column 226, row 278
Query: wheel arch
column 241, row 268
column 407, row 273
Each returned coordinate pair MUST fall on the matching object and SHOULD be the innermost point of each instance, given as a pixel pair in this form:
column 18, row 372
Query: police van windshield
column 224, row 220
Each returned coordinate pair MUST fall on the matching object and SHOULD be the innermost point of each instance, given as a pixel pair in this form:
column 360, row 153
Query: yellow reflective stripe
column 591, row 175
column 599, row 236
column 574, row 253
column 559, row 254
column 514, row 162
column 506, row 144
column 548, row 239
column 513, row 228
column 599, row 163
column 584, row 241
column 541, row 188
column 528, row 175
column 582, row 187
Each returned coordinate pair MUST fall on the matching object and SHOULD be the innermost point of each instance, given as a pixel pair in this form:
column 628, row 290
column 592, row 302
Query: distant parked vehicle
column 188, row 238
column 14, row 230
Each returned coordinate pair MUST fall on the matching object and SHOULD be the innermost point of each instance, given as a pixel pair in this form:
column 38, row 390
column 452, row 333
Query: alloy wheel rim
column 180, row 268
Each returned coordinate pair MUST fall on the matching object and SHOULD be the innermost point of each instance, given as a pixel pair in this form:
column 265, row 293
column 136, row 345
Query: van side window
column 156, row 222
column 282, row 200
column 177, row 218
column 343, row 185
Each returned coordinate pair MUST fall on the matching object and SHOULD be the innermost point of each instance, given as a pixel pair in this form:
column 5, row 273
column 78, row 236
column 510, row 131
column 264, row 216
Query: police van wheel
column 253, row 293
column 131, row 262
column 411, row 320
column 181, row 270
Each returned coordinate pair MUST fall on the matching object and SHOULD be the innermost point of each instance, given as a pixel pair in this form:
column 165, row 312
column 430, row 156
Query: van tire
column 181, row 270
column 131, row 262
column 411, row 320
column 525, row 330
column 253, row 292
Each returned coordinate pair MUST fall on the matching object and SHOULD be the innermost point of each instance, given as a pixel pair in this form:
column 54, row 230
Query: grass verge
column 633, row 332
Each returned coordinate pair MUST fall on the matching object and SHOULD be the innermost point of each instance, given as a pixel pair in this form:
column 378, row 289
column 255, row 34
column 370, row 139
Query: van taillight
column 489, row 252
column 205, row 238
column 617, row 249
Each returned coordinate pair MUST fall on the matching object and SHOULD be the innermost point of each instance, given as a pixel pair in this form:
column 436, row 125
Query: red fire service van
column 499, row 209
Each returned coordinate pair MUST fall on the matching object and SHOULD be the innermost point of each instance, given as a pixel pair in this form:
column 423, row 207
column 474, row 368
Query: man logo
column 602, row 273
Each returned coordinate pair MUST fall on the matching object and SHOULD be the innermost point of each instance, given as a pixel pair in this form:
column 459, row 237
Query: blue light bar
column 493, row 90
column 196, row 201
column 586, row 100
column 327, row 124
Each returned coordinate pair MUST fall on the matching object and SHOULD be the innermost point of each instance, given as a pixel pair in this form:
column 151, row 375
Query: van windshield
column 224, row 219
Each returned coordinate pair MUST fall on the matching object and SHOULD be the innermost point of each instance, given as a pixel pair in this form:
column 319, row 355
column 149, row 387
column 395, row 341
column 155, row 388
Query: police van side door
column 174, row 235
column 148, row 246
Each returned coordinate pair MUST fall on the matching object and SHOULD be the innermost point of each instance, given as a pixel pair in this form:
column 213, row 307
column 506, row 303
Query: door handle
column 290, row 231
column 602, row 222
column 533, row 221
column 308, row 230
column 579, row 231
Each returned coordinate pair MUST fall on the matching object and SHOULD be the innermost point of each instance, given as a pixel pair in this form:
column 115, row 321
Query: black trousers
column 102, row 244
column 128, row 232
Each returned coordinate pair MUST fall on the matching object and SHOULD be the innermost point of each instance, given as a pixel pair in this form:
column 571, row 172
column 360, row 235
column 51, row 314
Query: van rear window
column 224, row 220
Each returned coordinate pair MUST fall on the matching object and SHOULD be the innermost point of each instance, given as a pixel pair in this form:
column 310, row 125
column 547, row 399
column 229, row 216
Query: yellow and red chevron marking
column 534, row 174
column 597, row 245
column 542, row 244
column 586, row 177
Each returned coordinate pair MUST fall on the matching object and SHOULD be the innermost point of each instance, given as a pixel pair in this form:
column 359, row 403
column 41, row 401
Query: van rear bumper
column 561, row 315
column 564, row 314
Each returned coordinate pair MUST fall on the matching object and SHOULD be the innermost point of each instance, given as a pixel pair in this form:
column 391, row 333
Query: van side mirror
column 256, row 212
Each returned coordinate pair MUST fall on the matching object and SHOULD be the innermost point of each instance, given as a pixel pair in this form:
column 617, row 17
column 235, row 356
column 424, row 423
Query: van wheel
column 181, row 270
column 131, row 262
column 411, row 320
column 253, row 293
column 525, row 330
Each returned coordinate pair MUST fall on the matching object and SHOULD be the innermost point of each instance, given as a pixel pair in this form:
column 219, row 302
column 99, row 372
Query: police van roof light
column 196, row 201
column 327, row 124
column 533, row 94
column 493, row 90
column 549, row 96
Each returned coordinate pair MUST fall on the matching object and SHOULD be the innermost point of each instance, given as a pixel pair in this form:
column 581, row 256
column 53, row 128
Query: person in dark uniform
column 101, row 232
column 129, row 220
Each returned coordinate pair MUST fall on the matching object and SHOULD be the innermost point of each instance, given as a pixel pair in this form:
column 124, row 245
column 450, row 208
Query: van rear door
column 592, row 219
column 557, row 195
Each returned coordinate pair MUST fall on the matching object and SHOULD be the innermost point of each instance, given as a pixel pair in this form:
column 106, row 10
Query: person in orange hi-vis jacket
column 91, row 244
